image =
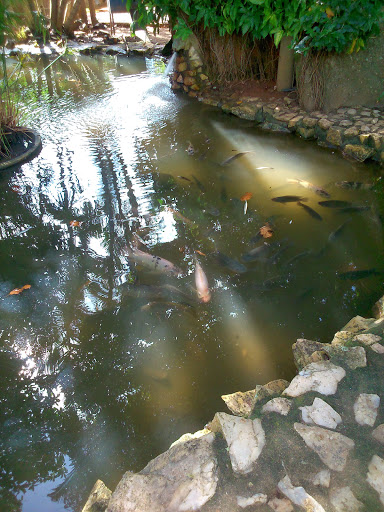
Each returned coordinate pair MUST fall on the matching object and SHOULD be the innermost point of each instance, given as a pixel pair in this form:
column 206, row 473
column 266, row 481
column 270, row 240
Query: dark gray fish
column 297, row 257
column 234, row 157
column 354, row 275
column 270, row 284
column 278, row 254
column 311, row 211
column 335, row 234
column 231, row 264
column 334, row 203
column 354, row 208
column 354, row 185
column 289, row 199
column 184, row 178
column 200, row 186
column 257, row 253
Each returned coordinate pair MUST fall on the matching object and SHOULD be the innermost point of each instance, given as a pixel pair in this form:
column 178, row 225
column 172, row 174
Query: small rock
column 367, row 339
column 275, row 387
column 279, row 405
column 245, row 439
column 309, row 122
column 334, row 136
column 378, row 348
column 303, row 350
column 322, row 377
column 352, row 111
column 256, row 499
column 358, row 324
column 365, row 409
column 354, row 357
column 280, row 505
column 343, row 500
column 346, row 123
column 325, row 124
column 378, row 433
column 353, row 131
column 322, row 478
column 341, row 338
column 98, row 498
column 375, row 476
column 207, row 434
column 182, row 67
column 331, row 447
column 306, row 133
column 299, row 496
column 321, row 414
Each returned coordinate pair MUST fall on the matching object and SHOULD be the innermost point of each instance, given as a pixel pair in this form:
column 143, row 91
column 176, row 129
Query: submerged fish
column 234, row 157
column 179, row 216
column 275, row 258
column 360, row 274
column 334, row 203
column 270, row 284
column 354, row 208
column 200, row 186
column 335, row 234
column 184, row 178
column 169, row 304
column 310, row 211
column 354, row 185
column 231, row 264
column 201, row 282
column 297, row 257
column 259, row 252
column 289, row 199
column 310, row 186
column 152, row 262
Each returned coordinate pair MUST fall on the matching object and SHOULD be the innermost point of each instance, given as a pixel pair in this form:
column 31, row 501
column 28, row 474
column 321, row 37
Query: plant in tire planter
column 17, row 143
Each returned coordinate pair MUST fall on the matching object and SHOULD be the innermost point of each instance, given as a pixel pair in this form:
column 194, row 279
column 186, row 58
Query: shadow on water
column 105, row 362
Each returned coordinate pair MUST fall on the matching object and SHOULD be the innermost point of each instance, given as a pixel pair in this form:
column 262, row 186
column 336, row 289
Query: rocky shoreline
column 314, row 444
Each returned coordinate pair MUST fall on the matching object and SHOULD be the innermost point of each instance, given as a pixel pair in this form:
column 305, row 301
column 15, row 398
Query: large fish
column 262, row 251
column 335, row 234
column 289, row 199
column 310, row 186
column 359, row 274
column 231, row 264
column 201, row 283
column 354, row 185
column 311, row 211
column 335, row 203
column 234, row 157
column 152, row 262
column 354, row 208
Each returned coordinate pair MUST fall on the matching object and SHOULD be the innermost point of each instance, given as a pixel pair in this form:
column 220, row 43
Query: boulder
column 375, row 476
column 321, row 414
column 331, row 447
column 245, row 439
column 183, row 478
column 279, row 405
column 343, row 500
column 241, row 403
column 365, row 409
column 98, row 498
column 299, row 496
column 322, row 377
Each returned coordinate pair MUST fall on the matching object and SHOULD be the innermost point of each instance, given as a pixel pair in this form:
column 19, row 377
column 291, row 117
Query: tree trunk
column 83, row 12
column 92, row 11
column 285, row 66
column 71, row 18
column 54, row 13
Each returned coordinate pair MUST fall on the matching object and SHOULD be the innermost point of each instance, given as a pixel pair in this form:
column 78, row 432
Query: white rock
column 245, row 439
column 375, row 476
column 256, row 499
column 331, row 447
column 322, row 478
column 279, row 405
column 378, row 433
column 322, row 377
column 280, row 505
column 378, row 348
column 321, row 414
column 299, row 496
column 181, row 479
column 207, row 434
column 367, row 339
column 343, row 500
column 365, row 409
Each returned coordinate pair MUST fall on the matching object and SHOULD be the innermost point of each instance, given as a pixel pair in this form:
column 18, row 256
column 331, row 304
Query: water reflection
column 106, row 363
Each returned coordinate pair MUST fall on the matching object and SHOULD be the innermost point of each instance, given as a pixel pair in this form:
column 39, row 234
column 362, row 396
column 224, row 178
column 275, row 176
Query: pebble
column 279, row 405
column 343, row 500
column 321, row 414
column 299, row 496
column 322, row 478
column 322, row 377
column 256, row 499
column 375, row 476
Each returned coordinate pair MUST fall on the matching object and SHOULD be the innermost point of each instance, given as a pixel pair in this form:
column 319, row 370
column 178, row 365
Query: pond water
column 105, row 362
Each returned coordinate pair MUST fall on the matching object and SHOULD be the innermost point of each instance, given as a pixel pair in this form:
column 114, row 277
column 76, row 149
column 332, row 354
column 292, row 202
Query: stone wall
column 345, row 80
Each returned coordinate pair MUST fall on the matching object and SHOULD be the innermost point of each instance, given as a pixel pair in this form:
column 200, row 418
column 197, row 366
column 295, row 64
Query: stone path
column 315, row 444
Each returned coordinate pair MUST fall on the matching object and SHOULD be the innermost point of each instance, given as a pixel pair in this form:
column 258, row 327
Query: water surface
column 104, row 362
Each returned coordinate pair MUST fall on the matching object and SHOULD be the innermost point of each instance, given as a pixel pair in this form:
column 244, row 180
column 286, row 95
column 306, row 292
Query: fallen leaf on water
column 246, row 196
column 199, row 252
column 266, row 231
column 75, row 223
column 16, row 291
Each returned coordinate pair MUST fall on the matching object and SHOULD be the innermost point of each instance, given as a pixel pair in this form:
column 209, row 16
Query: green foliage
column 313, row 24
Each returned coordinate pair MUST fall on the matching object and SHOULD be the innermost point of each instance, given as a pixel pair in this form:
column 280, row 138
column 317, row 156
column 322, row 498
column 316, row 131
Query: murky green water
column 105, row 363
